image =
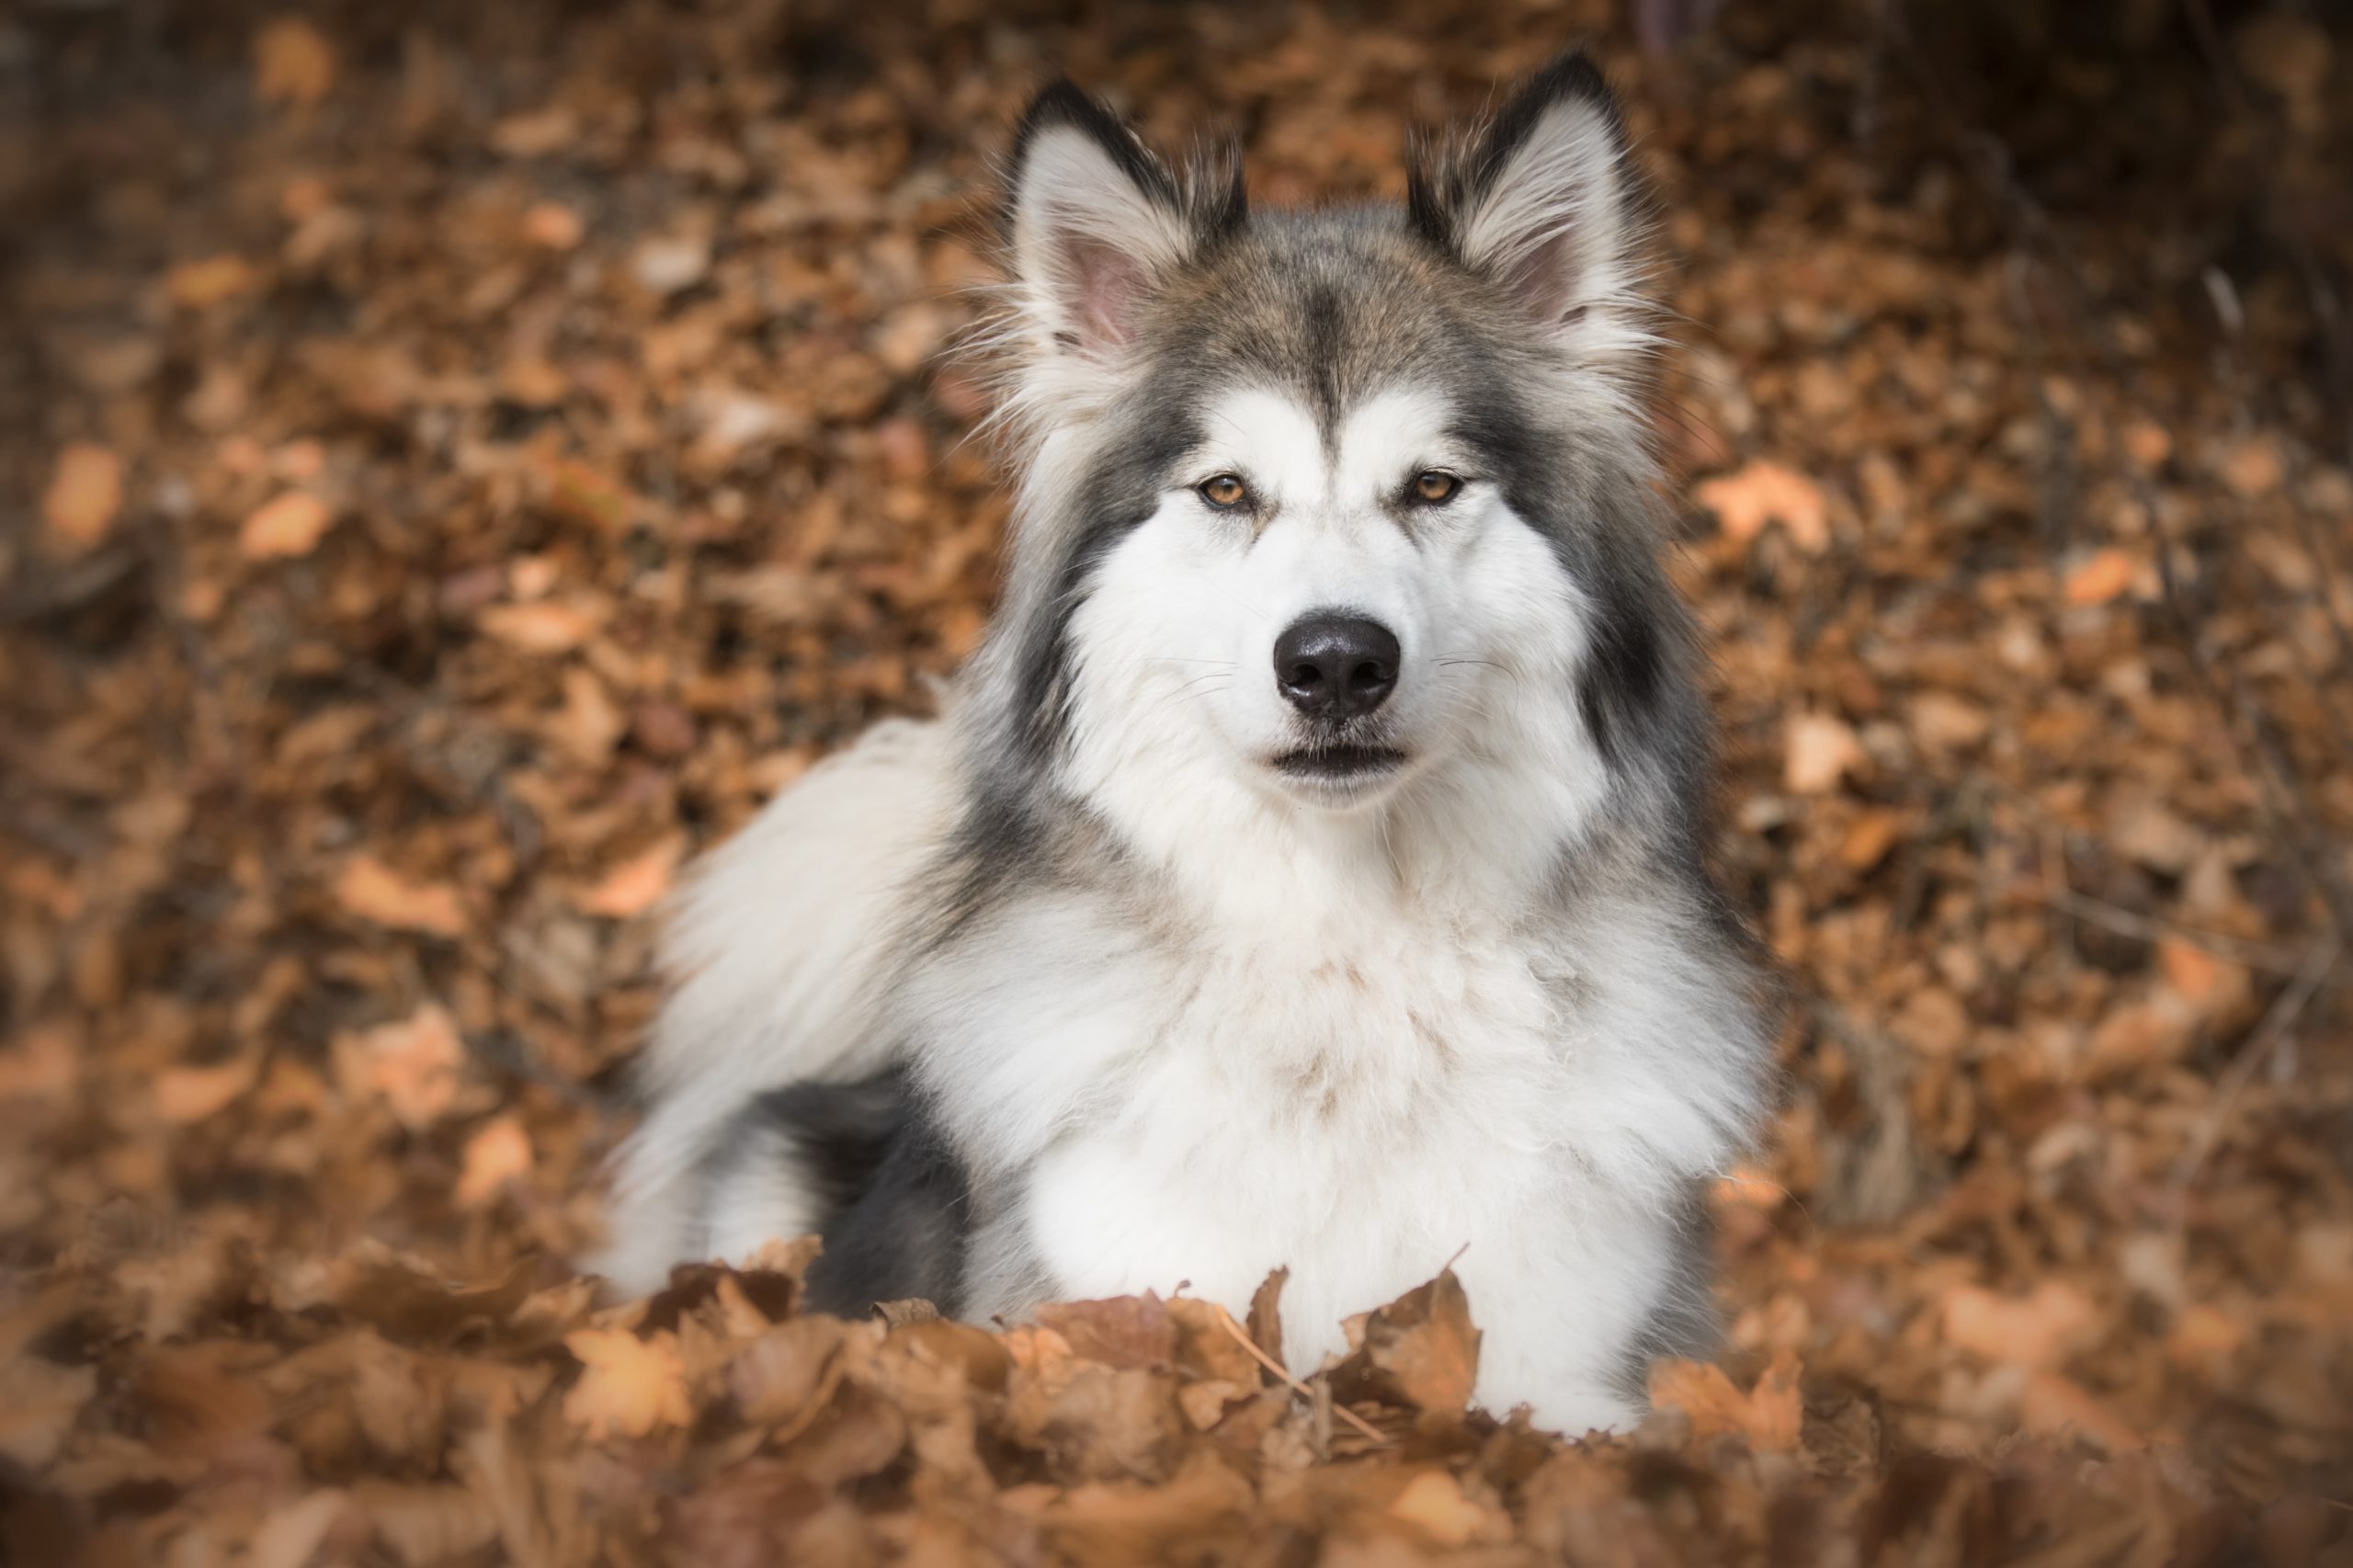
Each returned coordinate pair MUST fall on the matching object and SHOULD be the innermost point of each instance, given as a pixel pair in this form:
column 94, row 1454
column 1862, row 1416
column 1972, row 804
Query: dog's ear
column 1094, row 222
column 1542, row 201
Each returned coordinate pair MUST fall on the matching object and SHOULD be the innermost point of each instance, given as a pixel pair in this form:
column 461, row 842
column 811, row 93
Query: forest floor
column 456, row 461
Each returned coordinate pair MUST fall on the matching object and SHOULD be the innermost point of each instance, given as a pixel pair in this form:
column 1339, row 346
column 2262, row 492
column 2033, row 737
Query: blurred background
column 457, row 461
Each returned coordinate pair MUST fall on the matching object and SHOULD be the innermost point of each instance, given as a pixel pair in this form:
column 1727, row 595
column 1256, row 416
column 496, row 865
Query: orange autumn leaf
column 373, row 890
column 494, row 1156
column 194, row 285
column 84, row 493
column 1764, row 492
column 1769, row 1415
column 186, row 1094
column 636, row 883
column 2039, row 1329
column 631, row 1385
column 1433, row 1503
column 290, row 525
column 1818, row 751
column 414, row 1065
column 2099, row 578
column 293, row 63
column 538, row 627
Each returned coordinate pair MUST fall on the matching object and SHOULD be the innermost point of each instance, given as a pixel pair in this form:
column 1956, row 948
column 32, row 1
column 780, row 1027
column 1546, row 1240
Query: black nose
column 1335, row 666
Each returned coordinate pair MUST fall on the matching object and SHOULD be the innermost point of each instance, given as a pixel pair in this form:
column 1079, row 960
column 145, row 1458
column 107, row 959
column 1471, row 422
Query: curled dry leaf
column 290, row 525
column 630, row 1387
column 498, row 1154
column 1817, row 752
column 414, row 1066
column 293, row 63
column 85, row 495
column 373, row 890
column 1766, row 493
column 638, row 883
column 1768, row 1416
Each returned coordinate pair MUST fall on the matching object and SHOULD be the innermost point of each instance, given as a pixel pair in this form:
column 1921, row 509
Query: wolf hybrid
column 1309, row 868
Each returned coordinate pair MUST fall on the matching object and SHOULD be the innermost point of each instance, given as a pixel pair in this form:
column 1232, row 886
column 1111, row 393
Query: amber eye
column 1434, row 486
column 1224, row 492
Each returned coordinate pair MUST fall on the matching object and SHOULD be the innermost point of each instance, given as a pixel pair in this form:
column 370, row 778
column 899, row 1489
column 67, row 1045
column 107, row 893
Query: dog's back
column 774, row 950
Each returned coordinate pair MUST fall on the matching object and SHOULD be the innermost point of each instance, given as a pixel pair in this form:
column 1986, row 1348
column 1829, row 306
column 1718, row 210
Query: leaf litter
column 496, row 449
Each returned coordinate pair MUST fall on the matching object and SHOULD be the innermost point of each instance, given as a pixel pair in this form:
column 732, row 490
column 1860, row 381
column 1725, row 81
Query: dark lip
column 1339, row 764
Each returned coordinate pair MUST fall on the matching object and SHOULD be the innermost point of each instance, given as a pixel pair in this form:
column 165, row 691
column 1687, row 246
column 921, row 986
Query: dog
column 1309, row 868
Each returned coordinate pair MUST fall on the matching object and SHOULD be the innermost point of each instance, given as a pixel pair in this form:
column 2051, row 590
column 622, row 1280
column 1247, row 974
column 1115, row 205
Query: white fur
column 1351, row 1062
column 1340, row 1043
column 774, row 950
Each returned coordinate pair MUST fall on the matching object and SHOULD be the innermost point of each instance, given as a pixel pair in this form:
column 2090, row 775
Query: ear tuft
column 1093, row 221
column 1542, row 201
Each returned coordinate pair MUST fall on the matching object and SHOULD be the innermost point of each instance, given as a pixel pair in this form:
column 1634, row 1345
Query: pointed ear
column 1094, row 222
column 1542, row 201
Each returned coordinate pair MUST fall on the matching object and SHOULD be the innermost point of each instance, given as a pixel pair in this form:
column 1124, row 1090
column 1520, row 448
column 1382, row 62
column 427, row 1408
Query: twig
column 2266, row 956
column 2278, row 1020
column 1242, row 1337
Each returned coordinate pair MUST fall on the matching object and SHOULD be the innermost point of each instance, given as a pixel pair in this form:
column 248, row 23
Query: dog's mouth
column 1339, row 766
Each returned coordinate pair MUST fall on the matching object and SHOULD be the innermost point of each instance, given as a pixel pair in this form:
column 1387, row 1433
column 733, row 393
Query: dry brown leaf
column 1764, row 492
column 373, row 890
column 1123, row 1330
column 290, row 525
column 2041, row 1329
column 293, row 63
column 498, row 1154
column 553, row 226
column 631, row 1386
column 194, row 285
column 2099, row 577
column 1771, row 1416
column 39, row 1403
column 83, row 496
column 187, row 1095
column 1817, row 752
column 1421, row 1351
column 638, row 883
column 1433, row 1503
column 544, row 628
column 414, row 1065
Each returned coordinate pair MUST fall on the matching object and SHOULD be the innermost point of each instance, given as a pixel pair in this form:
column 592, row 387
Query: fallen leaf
column 1817, row 752
column 290, row 525
column 1433, row 1503
column 187, row 1095
column 1124, row 1330
column 546, row 627
column 1771, row 1416
column 553, row 226
column 373, row 890
column 1763, row 493
column 2099, row 578
column 293, row 63
column 196, row 285
column 1420, row 1350
column 2040, row 1329
column 84, row 493
column 39, row 1403
column 638, row 883
column 414, row 1065
column 493, row 1156
column 631, row 1386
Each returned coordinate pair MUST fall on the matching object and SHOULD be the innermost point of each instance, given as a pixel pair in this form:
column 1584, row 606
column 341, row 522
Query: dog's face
column 1315, row 504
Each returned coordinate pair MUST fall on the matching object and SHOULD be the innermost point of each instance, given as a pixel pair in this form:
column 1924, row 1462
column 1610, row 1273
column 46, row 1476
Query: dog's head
column 1315, row 505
